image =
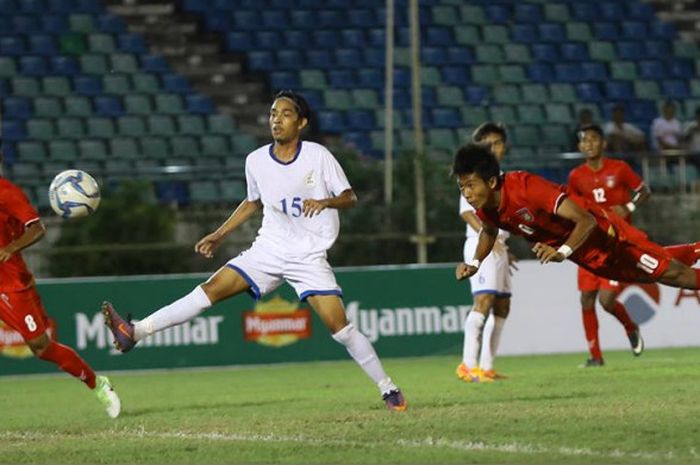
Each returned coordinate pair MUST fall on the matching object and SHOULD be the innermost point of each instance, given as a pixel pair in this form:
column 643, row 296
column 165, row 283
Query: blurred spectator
column 692, row 133
column 623, row 137
column 585, row 118
column 666, row 131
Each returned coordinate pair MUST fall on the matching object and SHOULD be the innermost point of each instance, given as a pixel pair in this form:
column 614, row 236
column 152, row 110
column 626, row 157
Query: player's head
column 289, row 115
column 585, row 117
column 618, row 113
column 493, row 135
column 669, row 109
column 478, row 174
column 591, row 141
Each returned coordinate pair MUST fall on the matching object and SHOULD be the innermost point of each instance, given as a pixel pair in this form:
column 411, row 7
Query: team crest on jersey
column 309, row 179
column 525, row 214
column 610, row 181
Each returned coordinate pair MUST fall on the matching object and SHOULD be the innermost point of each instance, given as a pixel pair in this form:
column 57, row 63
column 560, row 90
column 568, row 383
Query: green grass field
column 642, row 410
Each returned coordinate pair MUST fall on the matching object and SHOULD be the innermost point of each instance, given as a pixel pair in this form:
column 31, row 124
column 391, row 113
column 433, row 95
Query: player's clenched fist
column 546, row 254
column 464, row 271
column 207, row 245
column 314, row 207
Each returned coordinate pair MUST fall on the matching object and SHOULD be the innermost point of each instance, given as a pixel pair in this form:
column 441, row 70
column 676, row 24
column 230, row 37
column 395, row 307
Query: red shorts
column 625, row 254
column 587, row 282
column 24, row 312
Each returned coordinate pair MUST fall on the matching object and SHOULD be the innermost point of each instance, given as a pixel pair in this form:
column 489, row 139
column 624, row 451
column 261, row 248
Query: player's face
column 285, row 123
column 477, row 191
column 496, row 143
column 591, row 144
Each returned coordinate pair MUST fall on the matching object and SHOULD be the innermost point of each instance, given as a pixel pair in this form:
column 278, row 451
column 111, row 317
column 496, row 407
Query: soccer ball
column 74, row 194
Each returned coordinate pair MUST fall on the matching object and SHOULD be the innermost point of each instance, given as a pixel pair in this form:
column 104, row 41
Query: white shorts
column 265, row 270
column 493, row 276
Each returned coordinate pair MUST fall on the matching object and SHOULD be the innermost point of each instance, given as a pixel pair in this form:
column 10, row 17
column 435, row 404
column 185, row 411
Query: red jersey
column 610, row 185
column 528, row 206
column 15, row 214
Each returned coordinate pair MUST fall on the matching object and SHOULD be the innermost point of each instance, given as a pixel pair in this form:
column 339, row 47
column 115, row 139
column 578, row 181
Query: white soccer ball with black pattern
column 74, row 194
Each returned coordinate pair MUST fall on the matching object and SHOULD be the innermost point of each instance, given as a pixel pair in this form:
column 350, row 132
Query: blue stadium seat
column 199, row 104
column 32, row 66
column 585, row 11
column 332, row 19
column 544, row 52
column 42, row 44
column 33, row 6
column 361, row 120
column 428, row 97
column 640, row 11
column 239, row 41
column 17, row 108
column 476, row 95
column 284, row 80
column 540, row 72
column 319, row 59
column 612, row 11
column 634, row 30
column 362, row 18
column 497, row 13
column 13, row 130
column 353, row 38
column 374, row 57
column 619, row 90
column 606, row 31
column 245, row 20
column 275, row 19
column 680, row 68
column 313, row 97
column 54, row 24
column 348, row 58
column 594, row 71
column 662, row 30
column 631, row 50
column 455, row 75
column 658, row 48
column 589, row 92
column 108, row 106
column 88, row 6
column 446, row 118
column 552, row 32
column 87, row 85
column 27, row 25
column 330, row 121
column 154, row 64
column 261, row 60
column 328, row 39
column 434, row 56
column 12, row 45
column 528, row 13
column 60, row 6
column 526, row 33
column 574, row 51
column 652, row 69
column 172, row 192
column 641, row 110
column 296, row 39
column 110, row 23
column 303, row 19
column 289, row 59
column 370, row 78
column 460, row 55
column 675, row 88
column 439, row 36
column 360, row 140
column 568, row 72
column 377, row 37
column 402, row 77
column 175, row 83
column 342, row 78
column 269, row 40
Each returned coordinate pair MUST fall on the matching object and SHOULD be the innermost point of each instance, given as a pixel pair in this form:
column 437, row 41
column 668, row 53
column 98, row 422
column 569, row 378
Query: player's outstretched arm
column 31, row 234
column 346, row 199
column 584, row 225
column 209, row 243
column 487, row 238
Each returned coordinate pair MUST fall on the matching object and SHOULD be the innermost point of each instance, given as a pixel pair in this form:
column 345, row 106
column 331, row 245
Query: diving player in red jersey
column 562, row 225
column 607, row 182
column 20, row 304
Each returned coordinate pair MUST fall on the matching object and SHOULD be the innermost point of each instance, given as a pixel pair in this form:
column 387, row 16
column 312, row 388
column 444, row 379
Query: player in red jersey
column 562, row 225
column 20, row 304
column 607, row 182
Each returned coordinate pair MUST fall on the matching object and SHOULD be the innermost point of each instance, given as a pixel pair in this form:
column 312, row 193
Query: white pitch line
column 429, row 442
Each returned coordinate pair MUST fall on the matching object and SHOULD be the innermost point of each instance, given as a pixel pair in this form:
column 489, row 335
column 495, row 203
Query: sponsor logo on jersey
column 277, row 323
column 309, row 179
column 610, row 181
column 525, row 214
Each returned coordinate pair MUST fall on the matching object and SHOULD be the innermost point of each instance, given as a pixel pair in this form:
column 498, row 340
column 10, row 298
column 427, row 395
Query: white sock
column 491, row 339
column 472, row 338
column 361, row 350
column 178, row 312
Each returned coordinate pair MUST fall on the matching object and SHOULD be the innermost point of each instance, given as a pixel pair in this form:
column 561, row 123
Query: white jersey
column 313, row 173
column 464, row 206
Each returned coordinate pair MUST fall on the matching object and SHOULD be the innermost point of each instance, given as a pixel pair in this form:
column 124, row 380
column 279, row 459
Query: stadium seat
column 191, row 124
column 504, row 114
column 137, row 105
column 145, row 83
column 100, row 128
column 92, row 149
column 31, row 151
column 214, row 145
column 531, row 114
column 33, row 66
column 63, row 150
column 589, row 92
column 161, row 125
column 66, row 66
column 50, row 107
column 117, row 84
column 108, row 106
column 17, row 107
column 132, row 126
column 623, row 70
column 220, row 124
column 87, row 85
column 535, row 93
column 14, row 130
column 577, row 31
column 70, row 128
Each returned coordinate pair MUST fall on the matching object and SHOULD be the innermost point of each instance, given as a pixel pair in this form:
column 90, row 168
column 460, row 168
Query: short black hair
column 591, row 127
column 489, row 127
column 300, row 103
column 475, row 158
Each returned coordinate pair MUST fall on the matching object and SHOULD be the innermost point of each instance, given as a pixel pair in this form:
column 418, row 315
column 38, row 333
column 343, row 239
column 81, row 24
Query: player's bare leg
column 590, row 327
column 468, row 370
column 491, row 338
column 332, row 312
column 609, row 302
column 223, row 284
column 69, row 361
column 680, row 275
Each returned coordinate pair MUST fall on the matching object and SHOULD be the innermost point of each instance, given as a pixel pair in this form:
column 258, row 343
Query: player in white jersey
column 490, row 285
column 300, row 187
